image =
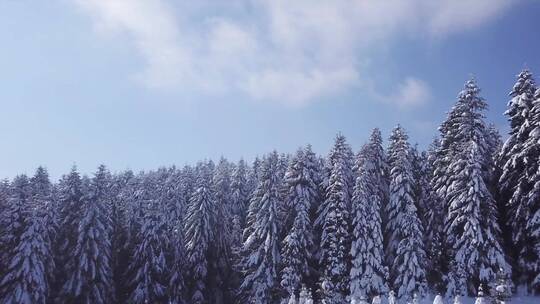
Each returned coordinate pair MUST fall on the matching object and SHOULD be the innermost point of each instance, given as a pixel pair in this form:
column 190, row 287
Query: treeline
column 296, row 228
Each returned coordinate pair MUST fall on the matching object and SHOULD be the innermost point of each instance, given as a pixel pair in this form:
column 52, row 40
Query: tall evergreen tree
column 405, row 247
column 333, row 219
column 368, row 274
column 200, row 221
column 302, row 192
column 221, row 257
column 471, row 224
column 529, row 256
column 30, row 261
column 514, row 182
column 149, row 261
column 12, row 217
column 70, row 214
column 42, row 198
column 472, row 232
column 239, row 190
column 260, row 253
column 91, row 278
column 433, row 220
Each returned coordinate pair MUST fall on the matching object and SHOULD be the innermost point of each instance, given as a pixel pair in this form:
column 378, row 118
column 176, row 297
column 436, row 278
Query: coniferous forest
column 389, row 221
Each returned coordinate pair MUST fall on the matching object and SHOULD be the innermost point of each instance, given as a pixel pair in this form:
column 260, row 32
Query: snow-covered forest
column 388, row 221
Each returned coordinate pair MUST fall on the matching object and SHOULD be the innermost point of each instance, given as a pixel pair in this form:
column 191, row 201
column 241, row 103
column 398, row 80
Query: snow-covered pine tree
column 120, row 187
column 405, row 235
column 149, row 262
column 239, row 190
column 433, row 224
column 515, row 180
column 465, row 114
column 91, row 278
column 221, row 256
column 471, row 224
column 70, row 214
column 380, row 165
column 333, row 218
column 302, row 193
column 30, row 260
column 260, row 253
column 42, row 199
column 186, row 184
column 199, row 232
column 178, row 269
column 472, row 232
column 12, row 217
column 367, row 274
column 529, row 256
column 200, row 223
column 252, row 208
column 171, row 207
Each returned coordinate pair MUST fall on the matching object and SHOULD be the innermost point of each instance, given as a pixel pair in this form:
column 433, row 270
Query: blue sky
column 139, row 84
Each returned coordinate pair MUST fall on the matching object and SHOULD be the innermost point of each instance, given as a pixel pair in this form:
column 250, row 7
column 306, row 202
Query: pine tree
column 433, row 219
column 12, row 217
column 120, row 254
column 380, row 166
column 199, row 225
column 42, row 198
column 149, row 263
column 404, row 230
column 221, row 257
column 239, row 190
column 516, row 177
column 177, row 280
column 529, row 206
column 333, row 219
column 30, row 260
column 174, row 204
column 260, row 253
column 472, row 233
column 301, row 184
column 70, row 214
column 367, row 275
column 91, row 278
column 471, row 223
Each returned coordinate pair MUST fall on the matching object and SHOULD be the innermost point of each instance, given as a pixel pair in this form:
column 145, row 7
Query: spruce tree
column 12, row 217
column 29, row 257
column 405, row 234
column 333, row 218
column 70, row 214
column 91, row 278
column 367, row 274
column 239, row 190
column 260, row 253
column 433, row 220
column 149, row 261
column 221, row 257
column 529, row 255
column 199, row 225
column 516, row 177
column 301, row 184
column 43, row 199
column 472, row 232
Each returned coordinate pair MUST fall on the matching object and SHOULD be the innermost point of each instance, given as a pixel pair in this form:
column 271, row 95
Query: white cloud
column 412, row 92
column 292, row 52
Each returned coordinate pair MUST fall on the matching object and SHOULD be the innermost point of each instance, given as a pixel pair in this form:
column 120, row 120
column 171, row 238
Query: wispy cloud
column 293, row 52
column 412, row 92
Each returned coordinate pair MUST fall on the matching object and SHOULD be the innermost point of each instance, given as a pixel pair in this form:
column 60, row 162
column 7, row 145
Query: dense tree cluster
column 395, row 222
